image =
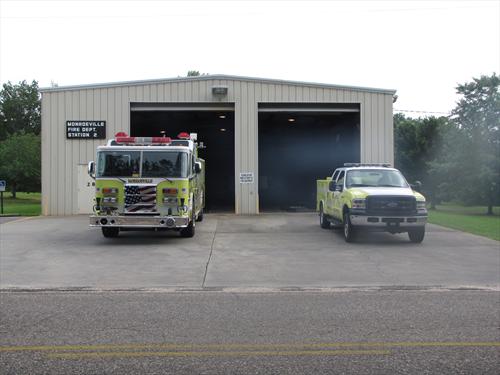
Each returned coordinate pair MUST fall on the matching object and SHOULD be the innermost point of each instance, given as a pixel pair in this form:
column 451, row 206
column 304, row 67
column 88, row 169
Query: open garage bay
column 215, row 130
column 299, row 144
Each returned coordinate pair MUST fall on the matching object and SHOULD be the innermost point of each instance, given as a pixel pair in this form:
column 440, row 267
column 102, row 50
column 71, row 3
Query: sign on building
column 86, row 129
column 246, row 178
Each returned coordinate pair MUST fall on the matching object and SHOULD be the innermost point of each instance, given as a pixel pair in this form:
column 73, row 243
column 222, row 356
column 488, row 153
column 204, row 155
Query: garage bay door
column 300, row 143
column 214, row 124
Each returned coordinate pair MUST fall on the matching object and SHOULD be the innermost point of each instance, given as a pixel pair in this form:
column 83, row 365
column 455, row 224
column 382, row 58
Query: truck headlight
column 109, row 200
column 359, row 204
column 109, row 191
column 421, row 206
column 170, row 191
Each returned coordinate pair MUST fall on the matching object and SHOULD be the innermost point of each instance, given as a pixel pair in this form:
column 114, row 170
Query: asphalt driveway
column 229, row 251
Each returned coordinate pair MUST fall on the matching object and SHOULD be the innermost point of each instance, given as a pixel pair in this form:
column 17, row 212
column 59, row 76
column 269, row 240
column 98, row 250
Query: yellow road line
column 216, row 354
column 248, row 346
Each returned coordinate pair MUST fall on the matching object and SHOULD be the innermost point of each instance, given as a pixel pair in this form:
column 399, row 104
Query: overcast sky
column 422, row 49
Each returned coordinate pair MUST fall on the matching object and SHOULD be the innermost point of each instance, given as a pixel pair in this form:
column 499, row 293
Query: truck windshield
column 164, row 164
column 154, row 164
column 375, row 178
column 118, row 164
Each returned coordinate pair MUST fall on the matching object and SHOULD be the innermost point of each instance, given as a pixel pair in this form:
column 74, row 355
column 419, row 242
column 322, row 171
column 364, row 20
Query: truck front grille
column 387, row 205
column 140, row 198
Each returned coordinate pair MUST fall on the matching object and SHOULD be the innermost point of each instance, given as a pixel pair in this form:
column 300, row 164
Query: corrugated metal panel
column 60, row 156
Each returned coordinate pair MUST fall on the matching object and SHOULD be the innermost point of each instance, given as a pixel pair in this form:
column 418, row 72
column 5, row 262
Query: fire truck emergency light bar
column 385, row 165
column 123, row 138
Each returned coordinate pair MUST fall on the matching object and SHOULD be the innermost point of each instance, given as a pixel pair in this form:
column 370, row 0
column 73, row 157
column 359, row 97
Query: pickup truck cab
column 371, row 197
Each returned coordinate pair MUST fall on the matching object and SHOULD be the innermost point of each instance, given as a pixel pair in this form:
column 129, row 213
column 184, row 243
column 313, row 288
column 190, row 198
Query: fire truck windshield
column 153, row 163
column 164, row 164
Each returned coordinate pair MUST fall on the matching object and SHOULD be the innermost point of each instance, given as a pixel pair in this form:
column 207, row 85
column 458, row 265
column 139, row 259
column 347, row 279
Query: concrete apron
column 279, row 251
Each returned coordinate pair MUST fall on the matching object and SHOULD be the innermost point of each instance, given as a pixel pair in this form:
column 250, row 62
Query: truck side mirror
column 197, row 167
column 91, row 169
column 417, row 185
column 331, row 186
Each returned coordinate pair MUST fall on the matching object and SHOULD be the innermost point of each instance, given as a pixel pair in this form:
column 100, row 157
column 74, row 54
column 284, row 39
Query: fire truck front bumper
column 169, row 222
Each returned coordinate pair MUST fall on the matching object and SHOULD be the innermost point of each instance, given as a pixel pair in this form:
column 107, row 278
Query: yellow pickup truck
column 371, row 197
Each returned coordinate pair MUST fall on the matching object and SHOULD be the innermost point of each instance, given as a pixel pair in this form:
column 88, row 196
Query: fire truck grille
column 140, row 198
column 391, row 205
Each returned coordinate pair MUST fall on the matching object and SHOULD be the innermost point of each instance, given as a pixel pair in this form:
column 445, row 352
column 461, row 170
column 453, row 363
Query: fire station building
column 265, row 142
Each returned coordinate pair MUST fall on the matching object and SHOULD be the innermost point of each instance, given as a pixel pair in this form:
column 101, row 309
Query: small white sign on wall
column 246, row 178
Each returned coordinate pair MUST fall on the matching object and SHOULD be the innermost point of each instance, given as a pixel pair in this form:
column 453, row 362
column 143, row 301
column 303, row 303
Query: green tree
column 20, row 162
column 193, row 73
column 418, row 144
column 477, row 118
column 19, row 109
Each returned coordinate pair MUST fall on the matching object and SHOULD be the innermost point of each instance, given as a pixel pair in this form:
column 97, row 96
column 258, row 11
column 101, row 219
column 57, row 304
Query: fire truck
column 148, row 183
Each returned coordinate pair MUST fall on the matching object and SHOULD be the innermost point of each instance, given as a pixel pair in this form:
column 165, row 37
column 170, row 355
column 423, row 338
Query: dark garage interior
column 215, row 130
column 296, row 148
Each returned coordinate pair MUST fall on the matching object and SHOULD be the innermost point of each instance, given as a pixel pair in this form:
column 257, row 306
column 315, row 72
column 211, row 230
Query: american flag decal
column 140, row 198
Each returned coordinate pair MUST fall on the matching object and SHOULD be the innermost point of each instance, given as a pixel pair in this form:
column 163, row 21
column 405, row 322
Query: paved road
column 370, row 332
column 271, row 250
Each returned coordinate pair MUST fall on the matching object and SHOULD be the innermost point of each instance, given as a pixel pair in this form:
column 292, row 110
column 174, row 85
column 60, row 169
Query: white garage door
column 85, row 191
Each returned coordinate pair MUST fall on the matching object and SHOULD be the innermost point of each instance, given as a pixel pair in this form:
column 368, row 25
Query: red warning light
column 125, row 139
column 161, row 140
column 184, row 135
column 121, row 134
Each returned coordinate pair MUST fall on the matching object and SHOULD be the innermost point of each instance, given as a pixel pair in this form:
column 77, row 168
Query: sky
column 422, row 49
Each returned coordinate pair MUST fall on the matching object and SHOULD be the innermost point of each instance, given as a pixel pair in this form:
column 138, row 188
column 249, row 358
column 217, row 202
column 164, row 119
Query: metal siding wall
column 61, row 188
column 53, row 154
column 238, row 146
column 252, row 148
column 46, row 177
column 112, row 104
column 389, row 127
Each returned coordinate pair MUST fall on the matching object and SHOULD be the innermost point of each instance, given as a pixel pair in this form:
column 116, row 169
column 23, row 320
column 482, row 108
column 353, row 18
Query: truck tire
column 323, row 221
column 416, row 235
column 189, row 231
column 200, row 216
column 349, row 230
column 110, row 232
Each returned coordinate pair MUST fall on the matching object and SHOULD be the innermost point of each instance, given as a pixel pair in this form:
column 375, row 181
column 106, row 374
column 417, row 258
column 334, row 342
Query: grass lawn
column 468, row 219
column 25, row 204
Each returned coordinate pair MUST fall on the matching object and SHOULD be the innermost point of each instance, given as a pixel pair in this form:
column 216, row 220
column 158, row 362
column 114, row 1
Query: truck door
column 195, row 185
column 329, row 195
column 336, row 200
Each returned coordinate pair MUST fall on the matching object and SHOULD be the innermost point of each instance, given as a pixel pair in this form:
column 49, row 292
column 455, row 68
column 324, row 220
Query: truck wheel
column 416, row 235
column 188, row 232
column 110, row 232
column 323, row 222
column 349, row 230
column 200, row 216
